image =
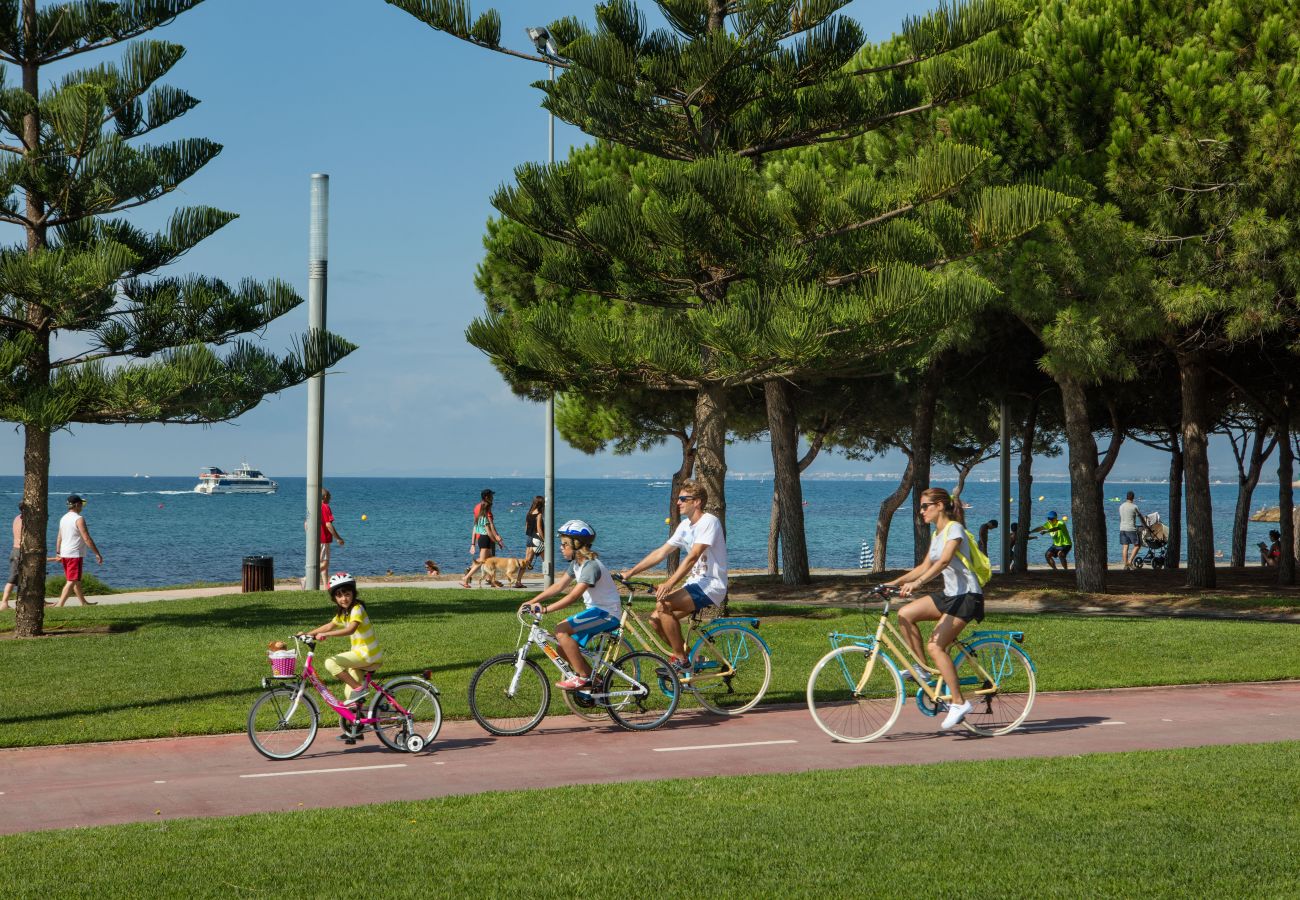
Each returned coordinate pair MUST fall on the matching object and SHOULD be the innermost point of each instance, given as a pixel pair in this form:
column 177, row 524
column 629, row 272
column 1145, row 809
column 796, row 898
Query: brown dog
column 495, row 568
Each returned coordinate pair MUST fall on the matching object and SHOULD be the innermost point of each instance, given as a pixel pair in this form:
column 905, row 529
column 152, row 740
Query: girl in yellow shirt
column 352, row 622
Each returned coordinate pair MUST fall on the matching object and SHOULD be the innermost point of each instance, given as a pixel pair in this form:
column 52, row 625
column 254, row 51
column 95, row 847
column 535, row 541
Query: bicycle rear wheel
column 1001, row 701
column 630, row 689
column 505, row 709
column 278, row 728
column 842, row 709
column 741, row 649
column 410, row 731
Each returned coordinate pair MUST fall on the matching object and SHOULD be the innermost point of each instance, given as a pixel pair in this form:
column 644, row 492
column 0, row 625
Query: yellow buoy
column 1040, row 497
column 668, row 520
column 363, row 517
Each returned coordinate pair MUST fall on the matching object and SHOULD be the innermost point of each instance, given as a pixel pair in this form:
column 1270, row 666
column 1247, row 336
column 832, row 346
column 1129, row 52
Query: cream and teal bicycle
column 857, row 690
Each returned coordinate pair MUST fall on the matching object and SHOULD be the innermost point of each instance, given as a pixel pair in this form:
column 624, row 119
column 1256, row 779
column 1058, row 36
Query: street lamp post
column 541, row 39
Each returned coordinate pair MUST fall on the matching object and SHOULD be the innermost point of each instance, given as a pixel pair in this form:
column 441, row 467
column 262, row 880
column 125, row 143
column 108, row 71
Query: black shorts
column 15, row 565
column 967, row 607
column 1061, row 552
column 484, row 542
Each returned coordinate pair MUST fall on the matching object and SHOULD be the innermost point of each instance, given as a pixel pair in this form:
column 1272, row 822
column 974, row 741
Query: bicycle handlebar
column 633, row 585
column 529, row 610
column 307, row 639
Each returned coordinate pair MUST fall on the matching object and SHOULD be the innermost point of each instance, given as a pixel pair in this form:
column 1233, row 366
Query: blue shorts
column 698, row 597
column 1128, row 538
column 591, row 622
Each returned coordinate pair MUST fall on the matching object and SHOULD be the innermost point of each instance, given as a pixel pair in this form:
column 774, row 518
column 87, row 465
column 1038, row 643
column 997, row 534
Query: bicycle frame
column 309, row 677
column 632, row 623
column 604, row 662
column 891, row 640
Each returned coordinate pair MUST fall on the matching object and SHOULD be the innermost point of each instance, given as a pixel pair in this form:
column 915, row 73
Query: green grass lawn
column 193, row 666
column 1215, row 822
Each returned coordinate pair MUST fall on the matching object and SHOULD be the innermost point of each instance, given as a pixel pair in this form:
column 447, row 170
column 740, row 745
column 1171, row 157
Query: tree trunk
column 1286, row 494
column 774, row 535
column 711, row 447
column 674, row 558
column 922, row 451
column 1246, row 482
column 1025, row 487
column 783, row 426
column 1085, row 501
column 1192, row 373
column 30, row 608
column 888, row 507
column 1174, row 549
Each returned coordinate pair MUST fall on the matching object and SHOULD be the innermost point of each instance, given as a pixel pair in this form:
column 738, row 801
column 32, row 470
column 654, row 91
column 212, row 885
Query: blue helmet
column 578, row 529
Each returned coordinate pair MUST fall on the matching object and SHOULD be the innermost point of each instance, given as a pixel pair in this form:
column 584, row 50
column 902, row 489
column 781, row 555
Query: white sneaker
column 955, row 715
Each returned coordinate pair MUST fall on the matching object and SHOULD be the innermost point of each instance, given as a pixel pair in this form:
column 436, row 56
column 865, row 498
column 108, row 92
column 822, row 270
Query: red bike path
column 140, row 781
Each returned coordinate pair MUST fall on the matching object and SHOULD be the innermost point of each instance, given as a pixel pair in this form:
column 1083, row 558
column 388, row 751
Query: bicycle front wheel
column 412, row 712
column 848, row 709
column 736, row 648
column 508, row 698
column 999, row 681
column 278, row 727
column 630, row 690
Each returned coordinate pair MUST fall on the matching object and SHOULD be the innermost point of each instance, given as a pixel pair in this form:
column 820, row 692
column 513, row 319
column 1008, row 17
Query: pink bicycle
column 404, row 712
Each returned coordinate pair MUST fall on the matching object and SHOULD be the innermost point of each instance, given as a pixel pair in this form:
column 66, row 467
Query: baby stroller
column 1154, row 537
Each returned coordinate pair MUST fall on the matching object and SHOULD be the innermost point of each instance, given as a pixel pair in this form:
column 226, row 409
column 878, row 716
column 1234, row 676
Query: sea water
column 156, row 531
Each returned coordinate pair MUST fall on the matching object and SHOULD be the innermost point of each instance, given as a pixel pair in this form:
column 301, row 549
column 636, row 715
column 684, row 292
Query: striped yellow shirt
column 364, row 642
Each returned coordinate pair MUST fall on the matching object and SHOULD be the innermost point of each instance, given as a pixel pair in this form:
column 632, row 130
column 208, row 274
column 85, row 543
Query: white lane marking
column 1114, row 723
column 722, row 746
column 324, row 771
column 160, row 782
column 1170, row 720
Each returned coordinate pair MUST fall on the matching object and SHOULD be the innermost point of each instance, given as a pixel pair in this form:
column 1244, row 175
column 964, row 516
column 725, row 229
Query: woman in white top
column 962, row 600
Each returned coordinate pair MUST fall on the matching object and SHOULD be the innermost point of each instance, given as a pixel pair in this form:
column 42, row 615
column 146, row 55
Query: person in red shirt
column 328, row 534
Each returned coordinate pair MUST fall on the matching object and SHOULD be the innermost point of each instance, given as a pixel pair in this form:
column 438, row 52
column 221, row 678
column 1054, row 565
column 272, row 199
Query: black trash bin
column 259, row 574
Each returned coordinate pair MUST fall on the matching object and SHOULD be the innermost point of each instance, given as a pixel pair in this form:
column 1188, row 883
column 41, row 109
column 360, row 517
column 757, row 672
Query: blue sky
column 415, row 129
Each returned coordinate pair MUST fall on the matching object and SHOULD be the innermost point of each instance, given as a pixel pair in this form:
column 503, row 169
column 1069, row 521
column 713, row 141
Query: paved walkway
column 140, row 781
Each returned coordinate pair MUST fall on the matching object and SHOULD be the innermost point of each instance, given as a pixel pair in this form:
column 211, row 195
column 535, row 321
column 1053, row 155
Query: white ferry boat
column 243, row 480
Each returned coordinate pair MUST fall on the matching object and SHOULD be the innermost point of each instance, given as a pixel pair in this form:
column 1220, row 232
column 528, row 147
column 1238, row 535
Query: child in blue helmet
column 587, row 578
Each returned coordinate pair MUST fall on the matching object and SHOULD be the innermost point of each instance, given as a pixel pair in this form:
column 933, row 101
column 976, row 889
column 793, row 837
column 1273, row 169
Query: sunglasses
column 685, row 498
column 927, row 505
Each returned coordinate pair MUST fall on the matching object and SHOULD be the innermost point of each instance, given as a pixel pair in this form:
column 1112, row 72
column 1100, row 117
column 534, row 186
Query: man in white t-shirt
column 703, row 569
column 70, row 548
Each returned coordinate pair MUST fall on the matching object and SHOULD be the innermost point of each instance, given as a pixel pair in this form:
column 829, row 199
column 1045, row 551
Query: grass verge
column 1113, row 825
column 193, row 666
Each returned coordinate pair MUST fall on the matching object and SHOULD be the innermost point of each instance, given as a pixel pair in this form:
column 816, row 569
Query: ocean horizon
column 156, row 531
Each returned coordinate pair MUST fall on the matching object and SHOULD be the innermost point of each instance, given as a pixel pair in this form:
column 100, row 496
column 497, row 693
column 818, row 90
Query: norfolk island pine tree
column 72, row 164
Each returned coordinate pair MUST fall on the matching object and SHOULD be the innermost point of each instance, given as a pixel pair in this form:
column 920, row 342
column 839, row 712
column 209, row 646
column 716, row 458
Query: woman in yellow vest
column 961, row 602
column 352, row 622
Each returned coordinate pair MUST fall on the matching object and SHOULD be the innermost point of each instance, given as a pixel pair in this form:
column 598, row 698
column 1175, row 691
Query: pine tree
column 809, row 270
column 132, row 347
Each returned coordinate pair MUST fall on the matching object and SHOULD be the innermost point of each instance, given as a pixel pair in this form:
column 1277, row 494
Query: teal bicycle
column 856, row 691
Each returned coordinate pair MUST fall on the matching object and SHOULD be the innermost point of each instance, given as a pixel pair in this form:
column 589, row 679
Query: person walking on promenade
column 483, row 537
column 1129, row 516
column 1061, row 543
column 328, row 534
column 15, row 558
column 70, row 547
column 535, row 533
column 703, row 569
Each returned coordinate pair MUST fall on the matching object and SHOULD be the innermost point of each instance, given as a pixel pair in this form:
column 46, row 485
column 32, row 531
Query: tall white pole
column 317, row 271
column 548, row 547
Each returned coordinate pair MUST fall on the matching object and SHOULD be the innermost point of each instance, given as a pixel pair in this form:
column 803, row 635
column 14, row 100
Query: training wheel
column 414, row 744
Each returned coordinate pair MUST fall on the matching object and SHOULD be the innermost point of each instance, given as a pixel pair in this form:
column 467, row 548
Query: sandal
column 464, row 584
